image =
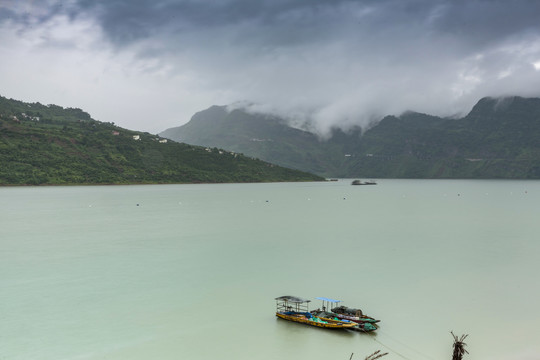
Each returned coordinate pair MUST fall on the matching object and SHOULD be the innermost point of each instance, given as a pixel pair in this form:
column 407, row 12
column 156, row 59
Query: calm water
column 191, row 271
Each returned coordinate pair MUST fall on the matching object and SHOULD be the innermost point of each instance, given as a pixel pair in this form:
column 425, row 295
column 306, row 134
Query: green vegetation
column 498, row 139
column 48, row 144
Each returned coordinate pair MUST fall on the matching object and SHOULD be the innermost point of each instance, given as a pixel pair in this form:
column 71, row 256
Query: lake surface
column 191, row 271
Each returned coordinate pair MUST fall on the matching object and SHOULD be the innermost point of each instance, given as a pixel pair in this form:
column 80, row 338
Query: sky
column 149, row 65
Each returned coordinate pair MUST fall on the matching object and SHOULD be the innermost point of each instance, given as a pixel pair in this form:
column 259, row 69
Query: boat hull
column 360, row 320
column 359, row 326
column 355, row 315
column 323, row 323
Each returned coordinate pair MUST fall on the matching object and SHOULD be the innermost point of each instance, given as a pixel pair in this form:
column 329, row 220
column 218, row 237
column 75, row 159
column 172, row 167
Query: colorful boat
column 296, row 309
column 353, row 314
column 345, row 313
column 358, row 326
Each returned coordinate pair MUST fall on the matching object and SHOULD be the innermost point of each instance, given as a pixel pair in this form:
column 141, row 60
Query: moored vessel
column 296, row 309
column 367, row 323
column 359, row 182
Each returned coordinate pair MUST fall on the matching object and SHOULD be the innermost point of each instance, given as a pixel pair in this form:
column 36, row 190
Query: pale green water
column 191, row 273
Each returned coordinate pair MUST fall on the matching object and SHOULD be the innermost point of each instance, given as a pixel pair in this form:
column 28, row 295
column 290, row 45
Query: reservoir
column 191, row 271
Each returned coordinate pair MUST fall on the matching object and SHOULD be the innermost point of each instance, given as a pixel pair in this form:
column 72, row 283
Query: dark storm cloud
column 27, row 16
column 483, row 22
column 471, row 21
column 283, row 23
column 268, row 23
column 335, row 61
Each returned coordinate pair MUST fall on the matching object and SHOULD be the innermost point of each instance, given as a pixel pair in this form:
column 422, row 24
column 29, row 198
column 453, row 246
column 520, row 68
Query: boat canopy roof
column 292, row 299
column 329, row 300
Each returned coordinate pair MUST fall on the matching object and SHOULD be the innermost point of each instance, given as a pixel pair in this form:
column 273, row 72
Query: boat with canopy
column 296, row 309
column 330, row 309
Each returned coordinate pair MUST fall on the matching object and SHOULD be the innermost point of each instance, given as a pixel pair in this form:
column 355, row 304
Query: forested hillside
column 497, row 139
column 49, row 144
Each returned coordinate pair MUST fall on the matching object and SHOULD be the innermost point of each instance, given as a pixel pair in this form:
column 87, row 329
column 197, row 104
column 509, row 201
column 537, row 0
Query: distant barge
column 359, row 182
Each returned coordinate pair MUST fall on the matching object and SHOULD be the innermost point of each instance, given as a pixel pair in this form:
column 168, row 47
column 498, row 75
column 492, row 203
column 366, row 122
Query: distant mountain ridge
column 52, row 145
column 497, row 139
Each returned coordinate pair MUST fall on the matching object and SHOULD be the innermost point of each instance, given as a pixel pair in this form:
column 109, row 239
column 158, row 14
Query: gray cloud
column 282, row 23
column 338, row 62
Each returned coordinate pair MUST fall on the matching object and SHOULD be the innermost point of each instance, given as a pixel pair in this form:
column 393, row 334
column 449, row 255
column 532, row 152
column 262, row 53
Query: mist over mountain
column 51, row 145
column 497, row 139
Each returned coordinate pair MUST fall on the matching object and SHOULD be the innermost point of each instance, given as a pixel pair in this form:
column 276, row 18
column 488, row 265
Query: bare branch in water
column 375, row 355
column 459, row 346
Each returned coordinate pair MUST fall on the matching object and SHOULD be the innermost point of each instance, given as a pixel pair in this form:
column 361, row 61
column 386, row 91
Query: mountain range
column 51, row 145
column 498, row 138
